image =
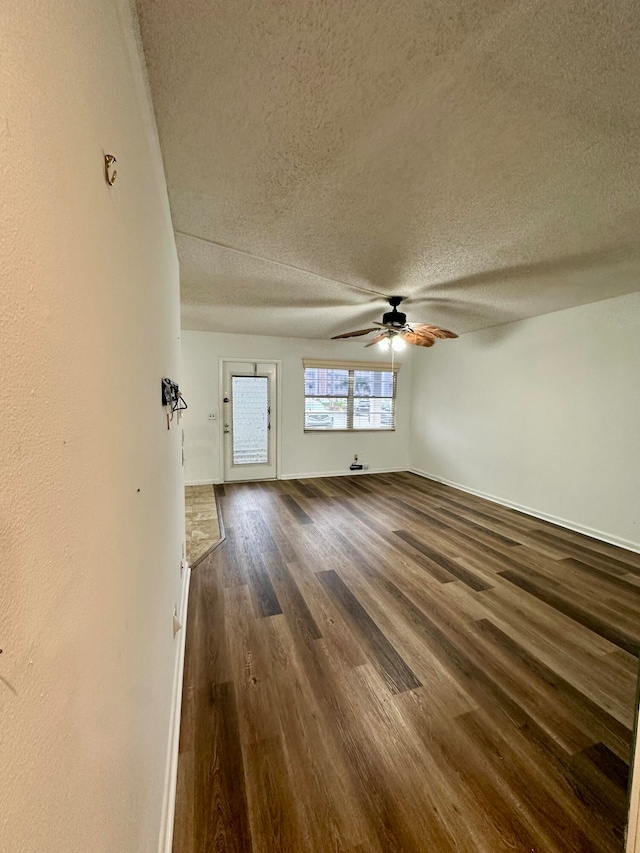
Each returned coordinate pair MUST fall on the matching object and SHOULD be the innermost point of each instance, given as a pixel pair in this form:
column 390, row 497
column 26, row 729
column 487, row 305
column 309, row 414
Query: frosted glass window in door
column 250, row 424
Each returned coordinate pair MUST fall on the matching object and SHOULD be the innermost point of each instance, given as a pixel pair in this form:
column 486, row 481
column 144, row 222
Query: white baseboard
column 307, row 475
column 165, row 842
column 535, row 513
column 342, row 473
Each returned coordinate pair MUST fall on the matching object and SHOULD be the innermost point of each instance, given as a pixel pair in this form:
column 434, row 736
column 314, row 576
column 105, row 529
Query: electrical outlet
column 355, row 457
column 212, row 416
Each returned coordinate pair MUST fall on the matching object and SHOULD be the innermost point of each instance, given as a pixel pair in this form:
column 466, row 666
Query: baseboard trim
column 306, row 476
column 342, row 473
column 553, row 519
column 165, row 843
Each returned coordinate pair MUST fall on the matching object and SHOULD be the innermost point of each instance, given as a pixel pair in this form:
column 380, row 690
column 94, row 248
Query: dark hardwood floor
column 381, row 664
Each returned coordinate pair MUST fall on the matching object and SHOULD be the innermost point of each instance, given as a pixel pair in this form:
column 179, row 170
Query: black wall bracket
column 172, row 396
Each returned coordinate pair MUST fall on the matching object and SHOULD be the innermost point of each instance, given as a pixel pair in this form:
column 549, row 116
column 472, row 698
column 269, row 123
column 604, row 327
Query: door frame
column 224, row 359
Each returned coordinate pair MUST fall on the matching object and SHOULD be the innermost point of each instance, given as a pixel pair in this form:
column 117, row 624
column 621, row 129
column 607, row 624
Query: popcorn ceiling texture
column 479, row 158
column 91, row 505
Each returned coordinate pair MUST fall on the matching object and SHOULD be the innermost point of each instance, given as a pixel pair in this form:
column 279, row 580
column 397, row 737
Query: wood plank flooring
column 382, row 664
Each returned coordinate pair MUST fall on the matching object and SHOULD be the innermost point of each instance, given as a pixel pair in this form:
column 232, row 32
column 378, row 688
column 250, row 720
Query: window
column 349, row 396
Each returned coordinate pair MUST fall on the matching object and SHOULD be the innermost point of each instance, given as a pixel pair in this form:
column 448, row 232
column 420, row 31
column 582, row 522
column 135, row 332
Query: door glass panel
column 250, row 424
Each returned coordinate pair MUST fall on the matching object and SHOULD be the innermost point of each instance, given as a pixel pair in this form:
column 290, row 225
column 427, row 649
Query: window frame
column 351, row 367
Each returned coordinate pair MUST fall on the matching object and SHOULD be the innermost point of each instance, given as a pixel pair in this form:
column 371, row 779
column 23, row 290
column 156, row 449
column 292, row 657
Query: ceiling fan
column 397, row 332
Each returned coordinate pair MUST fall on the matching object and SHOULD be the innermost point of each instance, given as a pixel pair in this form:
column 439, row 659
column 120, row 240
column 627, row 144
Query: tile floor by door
column 201, row 516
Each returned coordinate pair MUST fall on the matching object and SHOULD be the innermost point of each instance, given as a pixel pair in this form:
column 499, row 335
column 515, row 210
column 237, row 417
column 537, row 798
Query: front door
column 249, row 420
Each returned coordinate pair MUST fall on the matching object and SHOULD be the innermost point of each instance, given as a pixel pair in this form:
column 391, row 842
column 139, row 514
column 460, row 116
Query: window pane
column 373, row 413
column 321, row 381
column 373, row 383
column 250, row 413
column 325, row 413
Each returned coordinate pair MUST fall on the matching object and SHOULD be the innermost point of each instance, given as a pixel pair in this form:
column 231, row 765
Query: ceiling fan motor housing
column 394, row 317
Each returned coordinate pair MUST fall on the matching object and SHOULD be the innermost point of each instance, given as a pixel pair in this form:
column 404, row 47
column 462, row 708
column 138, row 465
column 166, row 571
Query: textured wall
column 302, row 454
column 91, row 520
column 544, row 413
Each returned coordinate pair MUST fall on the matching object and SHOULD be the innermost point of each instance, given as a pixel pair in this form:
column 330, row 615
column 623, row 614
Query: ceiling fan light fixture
column 398, row 343
column 384, row 344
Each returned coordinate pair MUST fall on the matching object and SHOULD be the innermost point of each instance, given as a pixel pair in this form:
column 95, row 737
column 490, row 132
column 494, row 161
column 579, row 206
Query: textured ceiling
column 481, row 159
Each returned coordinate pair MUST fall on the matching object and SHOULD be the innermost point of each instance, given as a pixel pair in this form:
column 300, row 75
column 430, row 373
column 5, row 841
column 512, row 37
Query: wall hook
column 110, row 176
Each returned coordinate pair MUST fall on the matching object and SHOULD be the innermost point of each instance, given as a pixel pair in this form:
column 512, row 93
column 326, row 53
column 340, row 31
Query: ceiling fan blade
column 422, row 329
column 354, row 334
column 435, row 330
column 419, row 340
column 423, row 333
column 376, row 340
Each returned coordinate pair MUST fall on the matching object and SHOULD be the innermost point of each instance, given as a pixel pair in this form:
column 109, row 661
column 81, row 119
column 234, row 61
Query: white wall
column 91, row 505
column 303, row 454
column 542, row 413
